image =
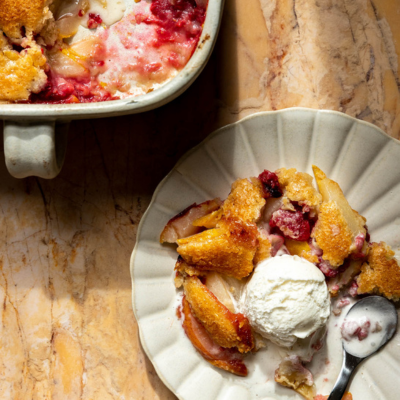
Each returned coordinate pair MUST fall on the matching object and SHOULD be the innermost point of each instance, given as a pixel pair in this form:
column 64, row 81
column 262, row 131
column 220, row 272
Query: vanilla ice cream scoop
column 286, row 299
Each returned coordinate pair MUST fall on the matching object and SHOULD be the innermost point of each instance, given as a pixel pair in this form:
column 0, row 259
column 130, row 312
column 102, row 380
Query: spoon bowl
column 368, row 326
column 381, row 317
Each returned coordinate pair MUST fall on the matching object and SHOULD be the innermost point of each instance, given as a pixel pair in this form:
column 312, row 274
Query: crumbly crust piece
column 230, row 245
column 292, row 374
column 184, row 268
column 244, row 202
column 21, row 73
column 381, row 273
column 225, row 328
column 298, row 187
column 228, row 249
column 331, row 191
column 15, row 14
column 216, row 355
column 332, row 234
column 264, row 248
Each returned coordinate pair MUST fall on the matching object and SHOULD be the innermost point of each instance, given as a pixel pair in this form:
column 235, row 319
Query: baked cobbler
column 74, row 51
column 226, row 258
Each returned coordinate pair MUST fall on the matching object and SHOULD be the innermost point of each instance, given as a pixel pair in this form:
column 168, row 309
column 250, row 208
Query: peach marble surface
column 68, row 331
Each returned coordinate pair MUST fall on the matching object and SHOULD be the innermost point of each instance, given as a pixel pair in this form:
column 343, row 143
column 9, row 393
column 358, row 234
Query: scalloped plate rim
column 180, row 161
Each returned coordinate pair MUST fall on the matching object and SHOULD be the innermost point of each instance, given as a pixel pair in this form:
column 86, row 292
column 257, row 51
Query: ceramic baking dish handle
column 34, row 148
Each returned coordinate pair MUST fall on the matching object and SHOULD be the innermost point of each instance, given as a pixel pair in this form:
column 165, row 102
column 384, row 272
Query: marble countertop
column 68, row 331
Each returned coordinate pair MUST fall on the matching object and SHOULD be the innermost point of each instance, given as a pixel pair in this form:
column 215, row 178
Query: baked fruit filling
column 221, row 244
column 78, row 51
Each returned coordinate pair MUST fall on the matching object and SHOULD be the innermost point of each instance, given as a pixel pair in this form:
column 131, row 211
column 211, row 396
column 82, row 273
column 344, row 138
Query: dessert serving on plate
column 262, row 265
column 80, row 51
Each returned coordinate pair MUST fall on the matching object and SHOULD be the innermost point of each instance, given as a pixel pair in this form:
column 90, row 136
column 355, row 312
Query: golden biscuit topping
column 19, row 15
column 339, row 226
column 264, row 248
column 244, row 202
column 332, row 234
column 216, row 355
column 381, row 273
column 231, row 245
column 21, row 73
column 228, row 249
column 298, row 187
column 331, row 191
column 226, row 328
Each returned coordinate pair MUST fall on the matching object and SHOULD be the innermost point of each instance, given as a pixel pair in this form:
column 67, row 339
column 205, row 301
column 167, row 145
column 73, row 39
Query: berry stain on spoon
column 368, row 326
column 364, row 329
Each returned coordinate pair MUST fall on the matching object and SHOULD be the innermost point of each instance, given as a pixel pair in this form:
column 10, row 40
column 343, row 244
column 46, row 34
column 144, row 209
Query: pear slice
column 216, row 355
column 331, row 191
column 219, row 287
column 338, row 227
column 227, row 329
column 66, row 66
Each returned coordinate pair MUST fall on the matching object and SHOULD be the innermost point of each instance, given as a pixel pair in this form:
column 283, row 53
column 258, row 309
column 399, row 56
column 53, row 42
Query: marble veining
column 330, row 54
column 67, row 327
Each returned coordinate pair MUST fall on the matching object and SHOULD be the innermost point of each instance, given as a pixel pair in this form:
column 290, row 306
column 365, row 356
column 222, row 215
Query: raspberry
column 364, row 330
column 270, row 184
column 292, row 224
column 359, row 328
column 94, row 21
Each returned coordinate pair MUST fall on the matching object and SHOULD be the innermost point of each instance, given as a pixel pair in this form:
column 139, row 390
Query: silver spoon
column 355, row 351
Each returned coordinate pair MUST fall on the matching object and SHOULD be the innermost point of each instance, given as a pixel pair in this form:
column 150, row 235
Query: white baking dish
column 35, row 134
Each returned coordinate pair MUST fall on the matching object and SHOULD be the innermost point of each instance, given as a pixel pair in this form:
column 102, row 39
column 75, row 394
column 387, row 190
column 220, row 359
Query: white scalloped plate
column 366, row 163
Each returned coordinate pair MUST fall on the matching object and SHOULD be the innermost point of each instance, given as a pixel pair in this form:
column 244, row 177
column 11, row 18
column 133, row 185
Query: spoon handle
column 349, row 364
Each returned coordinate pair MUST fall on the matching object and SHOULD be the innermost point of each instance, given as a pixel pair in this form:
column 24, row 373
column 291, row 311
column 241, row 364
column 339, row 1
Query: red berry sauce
column 176, row 19
column 174, row 28
column 67, row 91
column 94, row 21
